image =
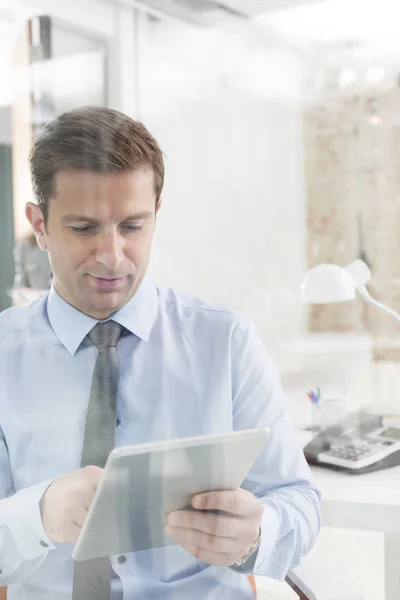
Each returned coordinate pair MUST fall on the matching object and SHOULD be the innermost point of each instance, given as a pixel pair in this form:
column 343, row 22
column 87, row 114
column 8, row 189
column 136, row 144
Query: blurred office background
column 280, row 124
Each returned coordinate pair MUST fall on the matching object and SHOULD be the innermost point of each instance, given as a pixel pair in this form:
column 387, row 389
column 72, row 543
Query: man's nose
column 109, row 250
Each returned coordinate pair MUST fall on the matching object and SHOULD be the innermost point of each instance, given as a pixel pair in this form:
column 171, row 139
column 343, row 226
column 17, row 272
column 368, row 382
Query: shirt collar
column 72, row 326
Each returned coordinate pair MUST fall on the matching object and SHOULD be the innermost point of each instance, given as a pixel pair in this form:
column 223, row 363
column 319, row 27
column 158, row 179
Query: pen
column 314, row 399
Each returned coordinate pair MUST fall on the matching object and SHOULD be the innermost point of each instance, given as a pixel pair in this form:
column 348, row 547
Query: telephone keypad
column 356, row 450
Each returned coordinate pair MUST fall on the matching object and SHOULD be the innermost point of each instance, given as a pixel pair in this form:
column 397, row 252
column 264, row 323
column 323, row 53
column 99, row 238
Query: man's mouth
column 109, row 283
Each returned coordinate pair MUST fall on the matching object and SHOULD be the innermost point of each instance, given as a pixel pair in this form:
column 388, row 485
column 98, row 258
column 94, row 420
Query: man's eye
column 133, row 227
column 86, row 229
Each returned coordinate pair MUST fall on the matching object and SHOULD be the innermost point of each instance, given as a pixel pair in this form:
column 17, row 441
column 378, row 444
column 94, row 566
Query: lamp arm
column 365, row 295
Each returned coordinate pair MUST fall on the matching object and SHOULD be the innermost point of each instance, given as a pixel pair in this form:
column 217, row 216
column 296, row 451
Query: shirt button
column 121, row 559
column 42, row 543
column 118, row 422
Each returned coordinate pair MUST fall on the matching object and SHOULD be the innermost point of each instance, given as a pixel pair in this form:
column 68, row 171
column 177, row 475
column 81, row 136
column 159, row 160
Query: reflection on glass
column 280, row 130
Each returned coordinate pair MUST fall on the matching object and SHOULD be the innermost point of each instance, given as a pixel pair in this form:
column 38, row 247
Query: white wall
column 233, row 215
column 226, row 110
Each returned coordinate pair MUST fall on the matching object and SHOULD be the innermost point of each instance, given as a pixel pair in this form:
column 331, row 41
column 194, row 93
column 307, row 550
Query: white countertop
column 380, row 487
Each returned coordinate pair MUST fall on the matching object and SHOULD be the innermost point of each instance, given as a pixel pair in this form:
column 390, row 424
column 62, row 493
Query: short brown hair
column 95, row 139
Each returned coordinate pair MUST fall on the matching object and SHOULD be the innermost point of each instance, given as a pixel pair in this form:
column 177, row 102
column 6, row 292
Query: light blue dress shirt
column 187, row 368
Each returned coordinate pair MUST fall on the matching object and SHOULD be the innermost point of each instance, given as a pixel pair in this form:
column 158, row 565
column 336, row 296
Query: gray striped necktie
column 92, row 577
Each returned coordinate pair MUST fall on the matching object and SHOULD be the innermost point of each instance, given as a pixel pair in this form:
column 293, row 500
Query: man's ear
column 159, row 204
column 35, row 217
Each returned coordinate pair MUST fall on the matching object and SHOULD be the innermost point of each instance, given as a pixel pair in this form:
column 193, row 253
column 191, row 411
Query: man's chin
column 105, row 305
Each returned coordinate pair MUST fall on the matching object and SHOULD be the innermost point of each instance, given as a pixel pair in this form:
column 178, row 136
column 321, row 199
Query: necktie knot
column 105, row 335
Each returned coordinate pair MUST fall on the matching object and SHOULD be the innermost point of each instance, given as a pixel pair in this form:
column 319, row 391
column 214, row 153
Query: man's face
column 98, row 235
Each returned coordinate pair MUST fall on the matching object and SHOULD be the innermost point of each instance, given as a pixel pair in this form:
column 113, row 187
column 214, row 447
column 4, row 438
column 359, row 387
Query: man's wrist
column 25, row 523
column 243, row 562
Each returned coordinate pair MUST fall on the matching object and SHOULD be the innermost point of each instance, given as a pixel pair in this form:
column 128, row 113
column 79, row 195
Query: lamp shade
column 328, row 283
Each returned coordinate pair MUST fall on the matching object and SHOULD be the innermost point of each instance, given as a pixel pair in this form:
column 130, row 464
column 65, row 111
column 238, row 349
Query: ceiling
column 340, row 22
column 212, row 12
column 258, row 7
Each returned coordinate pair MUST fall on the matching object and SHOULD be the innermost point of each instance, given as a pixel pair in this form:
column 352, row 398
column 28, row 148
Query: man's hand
column 218, row 539
column 66, row 502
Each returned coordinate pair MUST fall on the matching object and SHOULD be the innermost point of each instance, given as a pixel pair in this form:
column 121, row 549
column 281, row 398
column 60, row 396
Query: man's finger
column 219, row 525
column 204, row 541
column 94, row 474
column 239, row 502
column 80, row 515
column 73, row 534
column 217, row 559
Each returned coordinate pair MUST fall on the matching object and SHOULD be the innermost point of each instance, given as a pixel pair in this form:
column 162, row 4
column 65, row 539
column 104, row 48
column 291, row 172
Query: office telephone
column 359, row 444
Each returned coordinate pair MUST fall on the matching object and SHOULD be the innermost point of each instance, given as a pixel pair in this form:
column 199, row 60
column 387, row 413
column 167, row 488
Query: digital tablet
column 142, row 484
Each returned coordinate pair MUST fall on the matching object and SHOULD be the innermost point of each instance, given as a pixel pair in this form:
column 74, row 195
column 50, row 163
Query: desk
column 370, row 502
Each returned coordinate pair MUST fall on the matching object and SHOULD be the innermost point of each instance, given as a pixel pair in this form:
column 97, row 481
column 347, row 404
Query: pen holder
column 326, row 412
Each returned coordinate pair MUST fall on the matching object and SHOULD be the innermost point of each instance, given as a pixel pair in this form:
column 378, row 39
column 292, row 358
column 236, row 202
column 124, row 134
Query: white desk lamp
column 328, row 283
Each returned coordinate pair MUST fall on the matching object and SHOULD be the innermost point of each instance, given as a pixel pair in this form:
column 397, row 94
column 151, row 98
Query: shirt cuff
column 270, row 526
column 23, row 519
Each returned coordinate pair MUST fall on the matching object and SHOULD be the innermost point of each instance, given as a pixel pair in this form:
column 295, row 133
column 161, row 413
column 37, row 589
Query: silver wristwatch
column 253, row 548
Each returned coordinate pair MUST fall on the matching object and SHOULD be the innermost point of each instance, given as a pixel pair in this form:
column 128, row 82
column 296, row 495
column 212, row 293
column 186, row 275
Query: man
column 107, row 358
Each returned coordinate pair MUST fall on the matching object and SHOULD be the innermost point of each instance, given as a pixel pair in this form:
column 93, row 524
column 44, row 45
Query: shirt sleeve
column 280, row 477
column 24, row 544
